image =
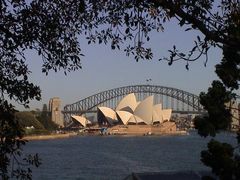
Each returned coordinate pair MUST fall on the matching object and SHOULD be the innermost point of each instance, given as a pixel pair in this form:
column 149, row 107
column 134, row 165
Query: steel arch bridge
column 178, row 99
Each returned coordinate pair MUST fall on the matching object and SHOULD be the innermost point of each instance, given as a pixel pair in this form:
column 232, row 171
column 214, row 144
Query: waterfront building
column 131, row 117
column 130, row 111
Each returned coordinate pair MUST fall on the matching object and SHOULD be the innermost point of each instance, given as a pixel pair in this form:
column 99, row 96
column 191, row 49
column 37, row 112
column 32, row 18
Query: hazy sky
column 105, row 69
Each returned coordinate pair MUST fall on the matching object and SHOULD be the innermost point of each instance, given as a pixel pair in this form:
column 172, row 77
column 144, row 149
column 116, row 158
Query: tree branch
column 210, row 34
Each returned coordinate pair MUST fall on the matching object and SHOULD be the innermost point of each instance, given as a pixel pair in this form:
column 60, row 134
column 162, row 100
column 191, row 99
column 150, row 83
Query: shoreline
column 68, row 135
column 49, row 136
column 176, row 133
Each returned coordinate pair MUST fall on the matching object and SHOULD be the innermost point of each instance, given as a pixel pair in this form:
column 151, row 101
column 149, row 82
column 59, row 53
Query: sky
column 104, row 69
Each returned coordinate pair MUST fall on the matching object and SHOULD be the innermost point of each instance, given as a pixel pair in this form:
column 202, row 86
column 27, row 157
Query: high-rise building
column 55, row 109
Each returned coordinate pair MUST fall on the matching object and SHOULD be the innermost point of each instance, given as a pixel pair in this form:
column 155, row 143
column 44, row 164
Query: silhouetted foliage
column 132, row 21
column 227, row 70
column 10, row 146
column 219, row 117
column 51, row 28
column 204, row 127
column 221, row 158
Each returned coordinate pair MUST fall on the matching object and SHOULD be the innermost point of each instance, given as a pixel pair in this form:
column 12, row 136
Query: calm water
column 96, row 157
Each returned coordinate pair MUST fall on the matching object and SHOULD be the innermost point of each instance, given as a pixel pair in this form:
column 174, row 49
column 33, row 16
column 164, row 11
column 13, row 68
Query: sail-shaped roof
column 144, row 110
column 131, row 111
column 128, row 103
column 82, row 120
column 124, row 116
column 157, row 113
column 108, row 112
column 167, row 114
column 136, row 120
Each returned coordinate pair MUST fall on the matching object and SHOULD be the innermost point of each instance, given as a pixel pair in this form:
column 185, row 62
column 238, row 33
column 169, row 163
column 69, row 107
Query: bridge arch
column 91, row 102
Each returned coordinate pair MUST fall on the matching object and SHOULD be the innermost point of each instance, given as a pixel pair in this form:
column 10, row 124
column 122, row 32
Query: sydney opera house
column 130, row 111
column 133, row 117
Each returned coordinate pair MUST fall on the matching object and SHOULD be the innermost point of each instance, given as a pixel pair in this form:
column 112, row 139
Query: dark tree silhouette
column 51, row 28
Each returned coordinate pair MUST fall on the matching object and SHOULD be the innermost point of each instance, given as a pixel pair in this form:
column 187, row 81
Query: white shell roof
column 145, row 109
column 158, row 108
column 82, row 120
column 157, row 113
column 166, row 114
column 108, row 112
column 135, row 119
column 124, row 116
column 156, row 117
column 129, row 110
column 128, row 101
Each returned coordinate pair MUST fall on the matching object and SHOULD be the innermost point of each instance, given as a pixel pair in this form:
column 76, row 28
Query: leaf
column 188, row 29
column 182, row 22
column 127, row 31
column 182, row 54
column 39, row 52
column 198, row 38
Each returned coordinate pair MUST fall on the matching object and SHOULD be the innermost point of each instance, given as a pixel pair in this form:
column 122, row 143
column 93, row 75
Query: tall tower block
column 55, row 110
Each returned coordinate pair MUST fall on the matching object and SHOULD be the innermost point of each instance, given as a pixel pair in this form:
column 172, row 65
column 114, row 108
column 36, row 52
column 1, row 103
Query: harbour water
column 115, row 157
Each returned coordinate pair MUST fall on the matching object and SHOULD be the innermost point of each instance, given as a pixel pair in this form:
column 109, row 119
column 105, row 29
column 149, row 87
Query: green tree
column 45, row 119
column 27, row 119
column 51, row 28
column 29, row 123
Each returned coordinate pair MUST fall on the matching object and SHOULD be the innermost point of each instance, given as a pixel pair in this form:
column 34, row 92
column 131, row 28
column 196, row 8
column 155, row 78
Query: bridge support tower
column 55, row 109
